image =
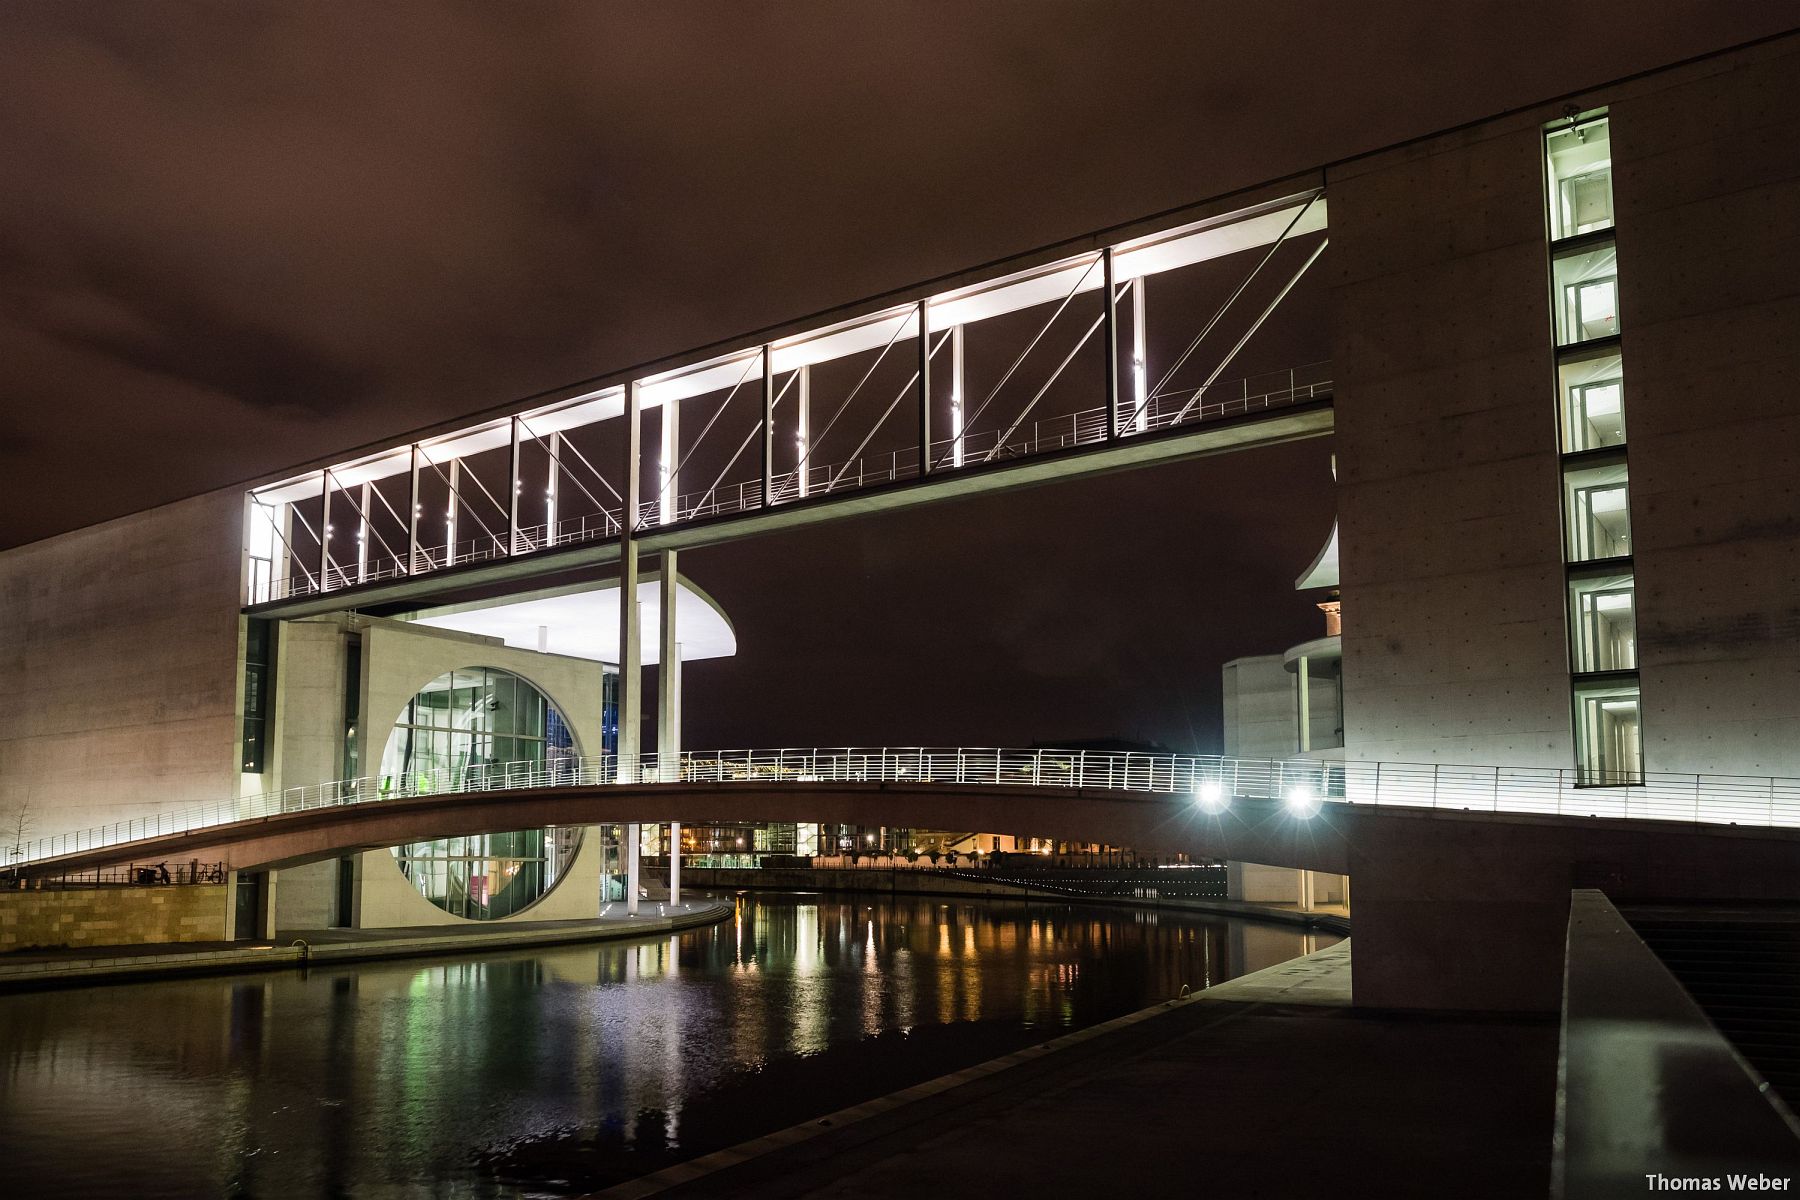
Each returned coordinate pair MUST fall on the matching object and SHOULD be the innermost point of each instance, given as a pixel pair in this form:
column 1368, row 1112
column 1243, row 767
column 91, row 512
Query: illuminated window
column 461, row 730
column 1587, row 294
column 1603, row 623
column 1597, row 512
column 1608, row 735
column 1580, row 176
column 1593, row 401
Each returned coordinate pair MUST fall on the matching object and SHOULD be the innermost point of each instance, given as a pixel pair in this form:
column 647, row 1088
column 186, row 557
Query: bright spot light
column 1210, row 796
column 1302, row 802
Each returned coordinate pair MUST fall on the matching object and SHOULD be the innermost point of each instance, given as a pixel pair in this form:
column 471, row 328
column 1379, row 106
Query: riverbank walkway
column 307, row 947
column 1265, row 1086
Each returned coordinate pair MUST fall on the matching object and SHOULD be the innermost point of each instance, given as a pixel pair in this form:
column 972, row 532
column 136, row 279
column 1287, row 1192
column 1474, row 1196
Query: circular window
column 479, row 718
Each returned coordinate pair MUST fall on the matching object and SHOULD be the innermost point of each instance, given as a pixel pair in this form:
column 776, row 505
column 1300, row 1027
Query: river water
column 558, row 1071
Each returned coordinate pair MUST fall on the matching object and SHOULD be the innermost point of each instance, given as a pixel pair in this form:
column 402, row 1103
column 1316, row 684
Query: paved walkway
column 1287, row 1097
column 298, row 947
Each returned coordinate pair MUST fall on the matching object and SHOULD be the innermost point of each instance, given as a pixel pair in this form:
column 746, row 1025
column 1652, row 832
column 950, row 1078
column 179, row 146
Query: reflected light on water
column 570, row 1068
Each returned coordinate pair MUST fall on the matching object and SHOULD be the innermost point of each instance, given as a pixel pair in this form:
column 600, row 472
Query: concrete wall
column 1447, row 449
column 1447, row 467
column 307, row 739
column 1257, row 883
column 398, row 659
column 1260, row 713
column 113, row 916
column 306, row 897
column 120, row 645
column 1707, row 185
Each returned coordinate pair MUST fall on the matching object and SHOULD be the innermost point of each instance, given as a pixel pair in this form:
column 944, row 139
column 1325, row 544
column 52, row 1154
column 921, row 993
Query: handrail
column 1646, row 1084
column 1303, row 783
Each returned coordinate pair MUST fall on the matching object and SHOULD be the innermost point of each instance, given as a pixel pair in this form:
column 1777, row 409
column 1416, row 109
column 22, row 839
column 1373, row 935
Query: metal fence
column 1302, row 784
column 159, row 874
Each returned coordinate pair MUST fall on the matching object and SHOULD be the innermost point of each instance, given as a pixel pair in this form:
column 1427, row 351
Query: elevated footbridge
column 1462, row 875
column 1190, row 803
column 1141, row 345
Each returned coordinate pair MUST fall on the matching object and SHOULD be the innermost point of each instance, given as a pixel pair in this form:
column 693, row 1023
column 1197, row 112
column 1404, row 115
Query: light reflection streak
column 385, row 1074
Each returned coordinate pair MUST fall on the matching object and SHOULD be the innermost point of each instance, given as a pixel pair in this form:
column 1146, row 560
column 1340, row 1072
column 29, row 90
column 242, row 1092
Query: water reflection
column 568, row 1068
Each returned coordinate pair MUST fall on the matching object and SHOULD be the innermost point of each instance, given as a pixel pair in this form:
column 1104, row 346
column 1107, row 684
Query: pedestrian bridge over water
column 1462, row 875
column 1162, row 801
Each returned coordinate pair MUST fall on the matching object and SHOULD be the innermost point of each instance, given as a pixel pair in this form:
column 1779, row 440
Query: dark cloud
column 237, row 236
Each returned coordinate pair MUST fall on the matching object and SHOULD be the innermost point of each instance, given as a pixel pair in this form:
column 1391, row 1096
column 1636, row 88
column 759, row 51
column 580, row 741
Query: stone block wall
column 118, row 916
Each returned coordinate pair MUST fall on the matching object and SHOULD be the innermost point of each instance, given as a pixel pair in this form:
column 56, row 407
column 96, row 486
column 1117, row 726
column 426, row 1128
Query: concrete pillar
column 551, row 485
column 633, row 836
column 631, row 680
column 455, row 501
column 668, row 696
column 265, row 908
column 957, row 396
column 1302, row 686
column 803, row 429
column 1140, row 360
column 668, row 482
column 231, row 889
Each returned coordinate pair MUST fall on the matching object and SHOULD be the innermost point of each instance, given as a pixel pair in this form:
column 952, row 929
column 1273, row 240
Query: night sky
column 234, row 237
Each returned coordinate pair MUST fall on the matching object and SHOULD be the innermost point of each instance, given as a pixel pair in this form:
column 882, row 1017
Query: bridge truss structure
column 1054, row 364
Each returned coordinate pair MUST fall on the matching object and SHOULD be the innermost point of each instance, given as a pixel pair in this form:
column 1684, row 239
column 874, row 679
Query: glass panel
column 1593, row 402
column 1597, row 512
column 1603, row 623
column 1587, row 294
column 1608, row 735
column 480, row 718
column 1580, row 177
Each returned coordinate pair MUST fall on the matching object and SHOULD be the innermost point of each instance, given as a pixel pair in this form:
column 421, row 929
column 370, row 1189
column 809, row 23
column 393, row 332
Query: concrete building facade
column 1563, row 392
column 1458, row 480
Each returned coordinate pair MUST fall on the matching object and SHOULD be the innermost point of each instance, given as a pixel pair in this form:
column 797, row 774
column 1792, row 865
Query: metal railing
column 1303, row 783
column 158, row 874
column 1085, row 428
column 1217, row 401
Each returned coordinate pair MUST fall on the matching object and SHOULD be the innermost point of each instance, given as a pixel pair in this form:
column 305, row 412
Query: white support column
column 667, row 484
column 803, row 429
column 668, row 698
column 450, row 510
column 555, row 478
column 1140, row 360
column 1304, row 705
column 412, row 512
column 631, row 676
column 958, row 396
column 363, row 534
column 514, row 485
column 633, row 834
column 283, row 569
column 325, row 530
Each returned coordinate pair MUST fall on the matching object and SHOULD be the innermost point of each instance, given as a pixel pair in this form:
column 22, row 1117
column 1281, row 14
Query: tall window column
column 1596, row 479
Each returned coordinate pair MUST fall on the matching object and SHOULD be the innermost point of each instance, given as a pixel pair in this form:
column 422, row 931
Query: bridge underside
column 1463, row 910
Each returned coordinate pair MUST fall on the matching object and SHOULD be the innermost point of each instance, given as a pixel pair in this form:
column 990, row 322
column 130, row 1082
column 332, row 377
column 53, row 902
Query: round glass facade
column 476, row 718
